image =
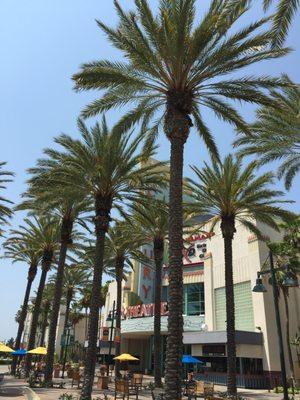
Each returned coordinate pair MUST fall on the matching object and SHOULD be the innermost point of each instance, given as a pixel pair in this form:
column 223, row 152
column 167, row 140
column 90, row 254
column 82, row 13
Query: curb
column 30, row 394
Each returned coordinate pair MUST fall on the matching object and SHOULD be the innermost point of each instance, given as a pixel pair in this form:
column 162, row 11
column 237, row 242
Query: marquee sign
column 197, row 248
column 143, row 310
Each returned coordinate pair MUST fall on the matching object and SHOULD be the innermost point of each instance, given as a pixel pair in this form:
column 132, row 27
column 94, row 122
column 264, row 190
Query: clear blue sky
column 42, row 44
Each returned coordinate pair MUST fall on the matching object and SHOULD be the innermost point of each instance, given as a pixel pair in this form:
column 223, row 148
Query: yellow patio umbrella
column 126, row 357
column 39, row 350
column 5, row 349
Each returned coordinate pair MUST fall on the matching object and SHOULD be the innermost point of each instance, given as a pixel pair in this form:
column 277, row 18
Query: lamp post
column 111, row 318
column 259, row 287
column 67, row 342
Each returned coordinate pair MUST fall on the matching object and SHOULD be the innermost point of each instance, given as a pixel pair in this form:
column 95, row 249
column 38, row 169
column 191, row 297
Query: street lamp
column 67, row 340
column 111, row 318
column 259, row 287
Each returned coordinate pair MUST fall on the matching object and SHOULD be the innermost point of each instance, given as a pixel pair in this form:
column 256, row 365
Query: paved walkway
column 54, row 394
column 11, row 388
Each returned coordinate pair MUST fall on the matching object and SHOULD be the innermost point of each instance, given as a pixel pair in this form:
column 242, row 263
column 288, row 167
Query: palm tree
column 85, row 303
column 152, row 222
column 287, row 252
column 75, row 316
column 5, row 210
column 48, row 293
column 280, row 126
column 47, row 194
column 285, row 11
column 107, row 167
column 74, row 279
column 86, row 297
column 22, row 249
column 121, row 248
column 231, row 194
column 177, row 65
column 44, row 232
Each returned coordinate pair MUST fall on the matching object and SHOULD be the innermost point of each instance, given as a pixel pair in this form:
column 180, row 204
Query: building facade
column 204, row 309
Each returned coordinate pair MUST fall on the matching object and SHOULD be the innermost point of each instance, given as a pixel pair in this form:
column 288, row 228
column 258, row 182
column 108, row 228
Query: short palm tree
column 44, row 232
column 276, row 134
column 152, row 222
column 22, row 249
column 75, row 316
column 5, row 210
column 285, row 11
column 232, row 193
column 176, row 66
column 108, row 168
column 121, row 248
column 47, row 194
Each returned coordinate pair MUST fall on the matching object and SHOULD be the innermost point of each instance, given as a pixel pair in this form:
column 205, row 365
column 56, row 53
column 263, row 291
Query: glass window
column 193, row 299
column 244, row 318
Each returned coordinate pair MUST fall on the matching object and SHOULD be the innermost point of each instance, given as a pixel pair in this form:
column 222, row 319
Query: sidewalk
column 54, row 394
column 11, row 387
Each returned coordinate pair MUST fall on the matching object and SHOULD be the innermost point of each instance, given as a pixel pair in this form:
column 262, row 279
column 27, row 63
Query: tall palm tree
column 152, row 222
column 48, row 293
column 74, row 279
column 232, row 193
column 287, row 252
column 177, row 65
column 108, row 168
column 47, row 194
column 44, row 232
column 280, row 126
column 121, row 248
column 5, row 210
column 22, row 249
column 285, row 11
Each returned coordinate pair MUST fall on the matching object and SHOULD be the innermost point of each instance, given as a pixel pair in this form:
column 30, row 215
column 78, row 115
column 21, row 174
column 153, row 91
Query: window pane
column 194, row 299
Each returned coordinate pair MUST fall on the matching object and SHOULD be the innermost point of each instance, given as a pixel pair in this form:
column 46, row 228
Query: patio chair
column 76, row 379
column 124, row 390
column 137, row 380
column 208, row 390
column 195, row 390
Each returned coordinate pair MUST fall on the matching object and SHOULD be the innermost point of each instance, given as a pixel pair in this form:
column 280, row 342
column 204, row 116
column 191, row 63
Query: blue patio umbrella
column 20, row 352
column 187, row 359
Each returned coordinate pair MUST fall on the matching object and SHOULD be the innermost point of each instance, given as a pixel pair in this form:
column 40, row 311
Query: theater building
column 204, row 310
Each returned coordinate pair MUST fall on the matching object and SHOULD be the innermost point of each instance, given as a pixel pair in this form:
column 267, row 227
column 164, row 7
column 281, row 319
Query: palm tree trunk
column 31, row 275
column 158, row 246
column 102, row 218
column 86, row 324
column 44, row 324
column 175, row 319
column 119, row 277
column 288, row 340
column 36, row 311
column 67, row 313
column 228, row 230
column 66, row 232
